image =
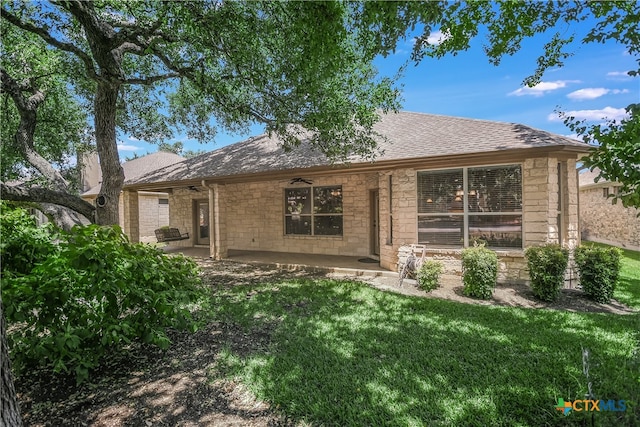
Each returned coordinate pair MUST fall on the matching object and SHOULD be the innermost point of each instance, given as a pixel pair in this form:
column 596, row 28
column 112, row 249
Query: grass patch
column 342, row 353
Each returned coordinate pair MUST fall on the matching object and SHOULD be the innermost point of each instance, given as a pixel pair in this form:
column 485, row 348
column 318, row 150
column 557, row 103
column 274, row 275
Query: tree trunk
column 112, row 173
column 10, row 414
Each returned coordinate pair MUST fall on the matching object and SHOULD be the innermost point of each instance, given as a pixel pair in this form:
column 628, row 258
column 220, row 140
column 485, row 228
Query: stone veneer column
column 540, row 201
column 403, row 215
column 571, row 225
column 217, row 237
column 131, row 215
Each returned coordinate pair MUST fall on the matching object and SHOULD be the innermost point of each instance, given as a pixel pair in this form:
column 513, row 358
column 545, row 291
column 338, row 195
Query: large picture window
column 457, row 207
column 313, row 211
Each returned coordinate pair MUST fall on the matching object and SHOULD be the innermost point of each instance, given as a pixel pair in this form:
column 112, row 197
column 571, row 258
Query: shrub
column 22, row 243
column 429, row 274
column 96, row 293
column 479, row 271
column 547, row 265
column 599, row 269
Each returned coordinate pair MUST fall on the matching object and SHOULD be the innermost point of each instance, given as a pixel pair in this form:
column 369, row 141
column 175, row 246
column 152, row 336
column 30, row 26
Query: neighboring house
column 442, row 181
column 600, row 219
column 153, row 206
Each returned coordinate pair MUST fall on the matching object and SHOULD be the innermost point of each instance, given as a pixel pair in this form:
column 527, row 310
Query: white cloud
column 618, row 75
column 437, row 37
column 125, row 147
column 607, row 113
column 588, row 93
column 593, row 93
column 542, row 88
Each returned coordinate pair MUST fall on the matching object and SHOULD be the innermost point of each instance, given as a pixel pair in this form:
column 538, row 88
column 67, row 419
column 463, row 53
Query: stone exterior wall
column 148, row 214
column 601, row 221
column 181, row 212
column 153, row 215
column 543, row 184
column 250, row 216
column 254, row 216
column 512, row 265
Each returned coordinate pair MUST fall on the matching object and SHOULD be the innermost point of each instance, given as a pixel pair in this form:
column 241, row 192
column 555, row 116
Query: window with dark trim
column 457, row 207
column 313, row 211
column 163, row 201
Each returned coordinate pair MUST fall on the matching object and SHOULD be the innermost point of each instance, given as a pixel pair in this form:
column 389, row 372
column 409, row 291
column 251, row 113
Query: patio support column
column 131, row 215
column 217, row 241
column 212, row 223
column 219, row 224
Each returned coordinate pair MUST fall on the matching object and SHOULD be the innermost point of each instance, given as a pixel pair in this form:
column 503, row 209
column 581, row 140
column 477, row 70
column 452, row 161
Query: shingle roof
column 134, row 169
column 588, row 178
column 409, row 135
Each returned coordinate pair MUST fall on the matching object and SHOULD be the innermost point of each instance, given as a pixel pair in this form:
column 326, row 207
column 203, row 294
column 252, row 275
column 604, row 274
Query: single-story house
column 445, row 182
column 153, row 206
column 603, row 221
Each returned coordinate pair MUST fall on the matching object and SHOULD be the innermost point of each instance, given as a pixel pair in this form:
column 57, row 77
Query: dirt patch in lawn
column 145, row 386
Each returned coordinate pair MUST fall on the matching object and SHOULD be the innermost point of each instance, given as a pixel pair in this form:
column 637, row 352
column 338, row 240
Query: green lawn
column 342, row 353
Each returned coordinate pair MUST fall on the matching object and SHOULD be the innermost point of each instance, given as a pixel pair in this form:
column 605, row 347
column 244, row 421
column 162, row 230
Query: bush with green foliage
column 22, row 243
column 429, row 274
column 599, row 269
column 479, row 271
column 547, row 265
column 97, row 292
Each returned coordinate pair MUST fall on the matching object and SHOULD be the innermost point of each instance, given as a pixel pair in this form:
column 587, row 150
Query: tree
column 149, row 67
column 617, row 153
column 178, row 148
column 615, row 146
column 38, row 95
column 152, row 66
column 10, row 414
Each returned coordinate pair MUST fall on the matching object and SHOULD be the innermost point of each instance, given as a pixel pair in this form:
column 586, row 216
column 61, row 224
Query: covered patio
column 348, row 265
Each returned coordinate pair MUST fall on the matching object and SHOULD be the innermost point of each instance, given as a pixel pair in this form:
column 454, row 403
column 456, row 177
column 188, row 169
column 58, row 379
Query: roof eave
column 431, row 162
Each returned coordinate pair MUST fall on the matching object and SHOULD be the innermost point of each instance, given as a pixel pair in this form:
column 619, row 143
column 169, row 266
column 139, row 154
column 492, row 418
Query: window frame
column 466, row 212
column 312, row 212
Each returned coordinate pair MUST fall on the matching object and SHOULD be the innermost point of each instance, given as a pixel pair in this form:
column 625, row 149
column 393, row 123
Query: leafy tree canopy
column 63, row 121
column 616, row 145
column 283, row 64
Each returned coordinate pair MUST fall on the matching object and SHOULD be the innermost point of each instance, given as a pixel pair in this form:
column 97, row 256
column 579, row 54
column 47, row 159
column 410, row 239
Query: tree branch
column 20, row 193
column 43, row 34
column 151, row 79
column 27, row 108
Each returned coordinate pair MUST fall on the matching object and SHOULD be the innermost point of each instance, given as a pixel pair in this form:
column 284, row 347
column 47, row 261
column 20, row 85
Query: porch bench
column 170, row 234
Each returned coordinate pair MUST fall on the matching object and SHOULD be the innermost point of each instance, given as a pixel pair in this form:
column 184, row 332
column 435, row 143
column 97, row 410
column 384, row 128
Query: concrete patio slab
column 342, row 265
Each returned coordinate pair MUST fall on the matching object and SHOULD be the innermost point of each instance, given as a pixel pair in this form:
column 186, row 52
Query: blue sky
column 593, row 84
